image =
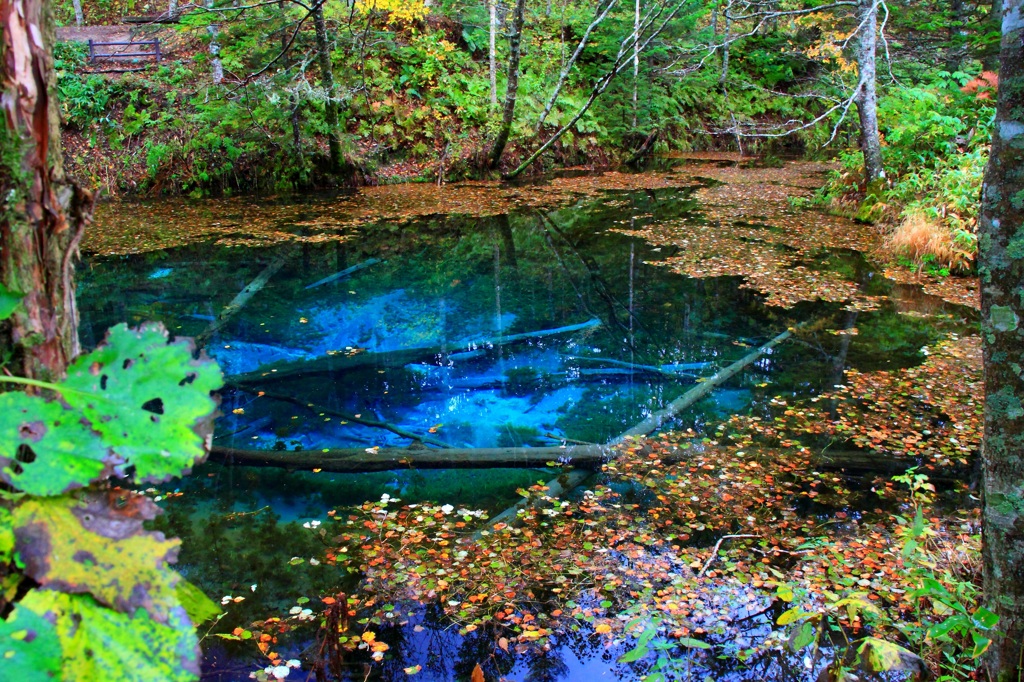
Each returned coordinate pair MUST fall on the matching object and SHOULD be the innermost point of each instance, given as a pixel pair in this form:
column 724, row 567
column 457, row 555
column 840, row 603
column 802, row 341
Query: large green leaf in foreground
column 45, row 449
column 136, row 400
column 29, row 648
column 87, row 544
column 98, row 644
column 149, row 399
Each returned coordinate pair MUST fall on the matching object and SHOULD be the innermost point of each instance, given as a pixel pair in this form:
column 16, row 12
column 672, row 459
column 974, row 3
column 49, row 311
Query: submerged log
column 344, row 273
column 586, row 458
column 678, row 370
column 362, row 460
column 243, row 297
column 356, row 419
column 700, row 390
column 282, row 371
column 650, row 424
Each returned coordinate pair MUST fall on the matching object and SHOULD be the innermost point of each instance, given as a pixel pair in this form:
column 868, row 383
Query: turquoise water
column 428, row 309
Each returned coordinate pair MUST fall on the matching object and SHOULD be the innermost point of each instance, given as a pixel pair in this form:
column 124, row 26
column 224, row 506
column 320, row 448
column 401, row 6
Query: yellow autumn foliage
column 399, row 11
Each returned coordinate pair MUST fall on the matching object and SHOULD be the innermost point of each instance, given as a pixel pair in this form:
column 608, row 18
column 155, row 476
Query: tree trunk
column 172, row 8
column 512, row 87
column 492, row 49
column 1001, row 266
column 216, row 67
column 957, row 36
column 724, row 76
column 79, row 17
column 323, row 54
column 567, row 67
column 636, row 57
column 867, row 99
column 44, row 213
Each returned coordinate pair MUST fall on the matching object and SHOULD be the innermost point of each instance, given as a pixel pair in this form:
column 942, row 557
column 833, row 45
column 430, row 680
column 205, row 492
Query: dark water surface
column 429, row 307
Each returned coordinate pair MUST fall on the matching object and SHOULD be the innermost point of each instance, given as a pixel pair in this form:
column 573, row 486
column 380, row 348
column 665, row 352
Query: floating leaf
column 197, row 605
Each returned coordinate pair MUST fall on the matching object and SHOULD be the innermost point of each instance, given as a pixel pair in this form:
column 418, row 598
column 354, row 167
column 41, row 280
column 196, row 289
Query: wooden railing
column 154, row 50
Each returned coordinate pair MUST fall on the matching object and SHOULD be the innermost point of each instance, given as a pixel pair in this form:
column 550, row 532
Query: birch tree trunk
column 44, row 214
column 1001, row 266
column 512, row 86
column 79, row 17
column 636, row 57
column 726, row 38
column 567, row 67
column 216, row 67
column 867, row 98
column 492, row 53
column 172, row 8
column 323, row 54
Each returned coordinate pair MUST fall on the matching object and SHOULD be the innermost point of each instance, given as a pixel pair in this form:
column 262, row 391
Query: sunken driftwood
column 586, row 459
column 344, row 273
column 676, row 370
column 356, row 419
column 243, row 297
column 362, row 460
column 647, row 426
column 282, row 371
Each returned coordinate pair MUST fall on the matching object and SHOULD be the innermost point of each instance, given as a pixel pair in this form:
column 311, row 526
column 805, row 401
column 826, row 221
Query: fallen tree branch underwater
column 282, row 371
column 243, row 297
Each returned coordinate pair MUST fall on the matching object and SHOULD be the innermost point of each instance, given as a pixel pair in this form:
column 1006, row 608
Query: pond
column 421, row 319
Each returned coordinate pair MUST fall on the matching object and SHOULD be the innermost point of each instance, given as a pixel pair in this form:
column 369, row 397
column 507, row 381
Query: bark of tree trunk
column 636, row 58
column 512, row 87
column 323, row 54
column 723, row 77
column 867, row 99
column 492, row 49
column 44, row 213
column 216, row 67
column 79, row 17
column 1001, row 266
column 567, row 67
column 957, row 36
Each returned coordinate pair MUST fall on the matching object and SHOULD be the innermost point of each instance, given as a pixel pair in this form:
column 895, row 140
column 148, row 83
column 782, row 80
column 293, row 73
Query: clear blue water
column 442, row 286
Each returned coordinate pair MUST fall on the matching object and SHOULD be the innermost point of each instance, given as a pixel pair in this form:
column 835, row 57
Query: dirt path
column 99, row 34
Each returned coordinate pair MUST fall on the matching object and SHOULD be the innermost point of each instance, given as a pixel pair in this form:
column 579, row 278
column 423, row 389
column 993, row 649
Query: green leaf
column 197, row 605
column 942, row 629
column 985, row 619
column 89, row 545
column 100, row 644
column 29, row 645
column 879, row 656
column 803, row 636
column 9, row 302
column 981, row 644
column 44, row 449
column 634, row 655
column 792, row 615
column 148, row 399
column 6, row 535
column 691, row 643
